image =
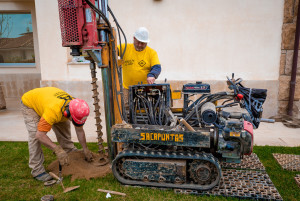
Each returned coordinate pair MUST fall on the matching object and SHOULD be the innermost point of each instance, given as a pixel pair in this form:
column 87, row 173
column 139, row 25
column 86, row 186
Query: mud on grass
column 17, row 183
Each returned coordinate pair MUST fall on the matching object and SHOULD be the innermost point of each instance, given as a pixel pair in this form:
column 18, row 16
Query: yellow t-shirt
column 137, row 65
column 47, row 102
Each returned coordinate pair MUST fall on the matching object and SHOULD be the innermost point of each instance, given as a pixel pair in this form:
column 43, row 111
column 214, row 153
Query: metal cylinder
column 208, row 113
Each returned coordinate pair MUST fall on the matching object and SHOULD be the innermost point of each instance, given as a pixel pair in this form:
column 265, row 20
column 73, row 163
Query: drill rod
column 97, row 112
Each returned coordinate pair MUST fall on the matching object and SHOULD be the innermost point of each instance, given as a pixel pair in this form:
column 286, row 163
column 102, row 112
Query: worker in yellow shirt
column 141, row 64
column 50, row 107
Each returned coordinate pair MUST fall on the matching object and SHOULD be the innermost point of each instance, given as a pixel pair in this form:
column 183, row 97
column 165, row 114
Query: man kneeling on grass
column 50, row 107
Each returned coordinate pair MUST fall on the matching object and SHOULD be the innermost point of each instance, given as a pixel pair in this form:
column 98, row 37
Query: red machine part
column 78, row 24
column 71, row 22
column 90, row 31
column 249, row 128
column 239, row 97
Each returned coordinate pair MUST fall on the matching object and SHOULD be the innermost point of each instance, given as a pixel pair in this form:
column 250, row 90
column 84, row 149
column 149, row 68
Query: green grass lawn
column 16, row 182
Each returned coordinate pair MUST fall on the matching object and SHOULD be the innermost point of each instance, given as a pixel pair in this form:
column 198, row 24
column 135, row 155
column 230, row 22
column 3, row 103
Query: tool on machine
column 60, row 180
column 188, row 126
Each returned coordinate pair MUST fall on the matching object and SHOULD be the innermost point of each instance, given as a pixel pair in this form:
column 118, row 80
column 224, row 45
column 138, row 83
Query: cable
column 114, row 58
column 121, row 55
column 133, row 117
column 119, row 27
column 145, row 106
column 150, row 112
column 207, row 98
column 100, row 13
column 155, row 109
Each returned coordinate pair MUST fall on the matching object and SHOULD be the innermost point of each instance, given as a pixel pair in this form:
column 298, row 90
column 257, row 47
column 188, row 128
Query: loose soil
column 79, row 168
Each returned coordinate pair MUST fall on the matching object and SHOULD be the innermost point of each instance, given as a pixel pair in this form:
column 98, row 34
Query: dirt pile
column 79, row 168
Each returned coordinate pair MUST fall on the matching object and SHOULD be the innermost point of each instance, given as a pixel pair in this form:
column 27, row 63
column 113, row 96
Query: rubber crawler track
column 166, row 155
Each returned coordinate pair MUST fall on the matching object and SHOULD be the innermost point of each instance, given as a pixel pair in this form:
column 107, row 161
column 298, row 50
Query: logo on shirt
column 142, row 63
column 63, row 95
column 128, row 62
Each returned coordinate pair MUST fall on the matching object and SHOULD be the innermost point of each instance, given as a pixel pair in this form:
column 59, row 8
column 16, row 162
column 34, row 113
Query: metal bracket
column 96, row 55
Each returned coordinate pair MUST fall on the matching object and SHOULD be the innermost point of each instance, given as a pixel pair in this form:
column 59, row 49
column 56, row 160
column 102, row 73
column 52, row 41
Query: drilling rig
column 85, row 28
column 155, row 144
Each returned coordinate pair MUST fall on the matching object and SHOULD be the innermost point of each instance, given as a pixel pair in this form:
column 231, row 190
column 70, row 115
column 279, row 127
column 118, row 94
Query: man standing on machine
column 50, row 107
column 141, row 63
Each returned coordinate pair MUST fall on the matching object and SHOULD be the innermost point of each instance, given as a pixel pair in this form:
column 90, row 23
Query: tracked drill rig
column 155, row 144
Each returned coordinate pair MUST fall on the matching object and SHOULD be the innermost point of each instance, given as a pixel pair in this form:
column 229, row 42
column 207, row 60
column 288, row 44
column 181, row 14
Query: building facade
column 196, row 40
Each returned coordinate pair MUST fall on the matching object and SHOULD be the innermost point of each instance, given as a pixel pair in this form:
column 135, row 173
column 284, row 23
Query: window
column 16, row 40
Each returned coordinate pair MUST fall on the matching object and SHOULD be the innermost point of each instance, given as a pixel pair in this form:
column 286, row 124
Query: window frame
column 20, row 65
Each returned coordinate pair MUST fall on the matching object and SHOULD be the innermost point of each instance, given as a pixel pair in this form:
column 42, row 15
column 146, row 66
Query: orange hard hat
column 79, row 111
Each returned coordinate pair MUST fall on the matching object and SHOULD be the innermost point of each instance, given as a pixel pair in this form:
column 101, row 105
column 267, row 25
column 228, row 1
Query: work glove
column 88, row 155
column 61, row 155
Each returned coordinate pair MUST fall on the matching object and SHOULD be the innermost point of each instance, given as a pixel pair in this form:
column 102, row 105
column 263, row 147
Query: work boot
column 43, row 177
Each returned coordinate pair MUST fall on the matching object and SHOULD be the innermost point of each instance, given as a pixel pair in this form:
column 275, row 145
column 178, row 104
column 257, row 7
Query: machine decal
column 161, row 137
column 88, row 15
column 235, row 134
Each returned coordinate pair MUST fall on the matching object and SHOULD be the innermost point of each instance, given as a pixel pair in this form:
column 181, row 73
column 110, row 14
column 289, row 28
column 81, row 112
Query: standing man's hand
column 88, row 155
column 62, row 156
column 150, row 80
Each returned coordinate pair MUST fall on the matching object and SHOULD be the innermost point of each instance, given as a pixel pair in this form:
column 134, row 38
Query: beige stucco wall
column 209, row 39
column 198, row 39
column 195, row 40
column 54, row 57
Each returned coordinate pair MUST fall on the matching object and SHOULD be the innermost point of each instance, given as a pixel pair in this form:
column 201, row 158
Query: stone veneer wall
column 286, row 60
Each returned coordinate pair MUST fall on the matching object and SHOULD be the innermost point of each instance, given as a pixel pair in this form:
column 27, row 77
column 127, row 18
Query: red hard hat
column 79, row 110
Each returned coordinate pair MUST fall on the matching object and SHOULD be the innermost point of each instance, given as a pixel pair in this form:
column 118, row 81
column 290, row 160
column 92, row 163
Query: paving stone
column 250, row 162
column 288, row 161
column 247, row 180
column 297, row 179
